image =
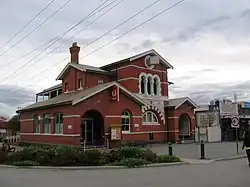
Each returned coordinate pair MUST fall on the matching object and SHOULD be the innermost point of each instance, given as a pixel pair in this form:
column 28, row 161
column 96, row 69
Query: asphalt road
column 224, row 174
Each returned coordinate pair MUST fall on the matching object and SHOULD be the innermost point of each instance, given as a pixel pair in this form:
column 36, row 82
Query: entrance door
column 89, row 130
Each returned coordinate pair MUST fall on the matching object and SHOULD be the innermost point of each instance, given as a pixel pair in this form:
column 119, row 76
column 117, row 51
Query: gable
column 178, row 102
column 128, row 61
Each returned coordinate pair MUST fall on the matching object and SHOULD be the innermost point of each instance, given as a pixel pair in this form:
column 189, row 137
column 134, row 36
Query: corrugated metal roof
column 67, row 97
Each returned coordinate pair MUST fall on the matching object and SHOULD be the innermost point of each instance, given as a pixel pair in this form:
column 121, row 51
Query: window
column 125, row 121
column 37, row 126
column 47, row 124
column 58, row 122
column 66, row 87
column 149, row 84
column 79, row 83
column 150, row 117
column 100, row 81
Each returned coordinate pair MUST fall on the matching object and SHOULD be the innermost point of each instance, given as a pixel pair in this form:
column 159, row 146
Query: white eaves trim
column 66, row 68
column 152, row 51
column 108, row 86
column 189, row 100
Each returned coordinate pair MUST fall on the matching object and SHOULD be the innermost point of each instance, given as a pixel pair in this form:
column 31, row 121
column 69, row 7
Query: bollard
column 202, row 150
column 170, row 149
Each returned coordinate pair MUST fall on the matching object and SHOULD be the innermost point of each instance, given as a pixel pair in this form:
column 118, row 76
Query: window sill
column 150, row 123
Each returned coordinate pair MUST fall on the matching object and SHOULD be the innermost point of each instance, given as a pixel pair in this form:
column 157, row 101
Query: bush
column 25, row 163
column 133, row 162
column 167, row 159
column 149, row 155
column 92, row 157
column 111, row 156
column 131, row 152
column 3, row 157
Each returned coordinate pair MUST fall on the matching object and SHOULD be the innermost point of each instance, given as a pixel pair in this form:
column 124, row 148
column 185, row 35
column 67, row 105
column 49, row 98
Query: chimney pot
column 74, row 51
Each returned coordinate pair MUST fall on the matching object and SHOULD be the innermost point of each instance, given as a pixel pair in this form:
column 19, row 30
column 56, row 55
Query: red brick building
column 122, row 101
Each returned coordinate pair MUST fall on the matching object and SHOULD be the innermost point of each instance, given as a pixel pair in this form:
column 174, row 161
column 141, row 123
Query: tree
column 14, row 123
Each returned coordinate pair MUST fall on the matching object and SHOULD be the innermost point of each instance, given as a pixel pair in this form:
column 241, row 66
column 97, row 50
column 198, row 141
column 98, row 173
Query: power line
column 25, row 26
column 120, row 36
column 36, row 28
column 134, row 28
column 119, row 25
column 57, row 37
column 27, row 63
column 90, row 23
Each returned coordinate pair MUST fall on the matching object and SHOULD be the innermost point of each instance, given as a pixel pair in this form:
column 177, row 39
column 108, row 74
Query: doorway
column 184, row 127
column 93, row 128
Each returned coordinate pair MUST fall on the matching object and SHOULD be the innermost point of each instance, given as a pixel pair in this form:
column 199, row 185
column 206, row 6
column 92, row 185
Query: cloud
column 12, row 96
column 206, row 43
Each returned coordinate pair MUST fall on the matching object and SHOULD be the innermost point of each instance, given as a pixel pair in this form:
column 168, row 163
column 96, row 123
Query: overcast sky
column 207, row 42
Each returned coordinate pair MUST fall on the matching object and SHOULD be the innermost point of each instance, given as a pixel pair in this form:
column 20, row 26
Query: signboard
column 229, row 108
column 115, row 93
column 115, row 132
column 207, row 118
column 245, row 104
column 235, row 122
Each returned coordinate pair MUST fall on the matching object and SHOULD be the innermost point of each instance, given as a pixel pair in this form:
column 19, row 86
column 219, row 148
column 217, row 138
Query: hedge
column 72, row 156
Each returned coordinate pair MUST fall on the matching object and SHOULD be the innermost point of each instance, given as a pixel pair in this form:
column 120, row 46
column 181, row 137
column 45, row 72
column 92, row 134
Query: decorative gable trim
column 140, row 101
column 66, row 68
column 150, row 52
column 189, row 100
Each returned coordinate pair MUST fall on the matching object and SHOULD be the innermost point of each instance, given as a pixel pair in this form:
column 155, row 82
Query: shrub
column 167, row 159
column 25, row 163
column 149, row 155
column 133, row 162
column 111, row 156
column 92, row 157
column 3, row 157
column 131, row 152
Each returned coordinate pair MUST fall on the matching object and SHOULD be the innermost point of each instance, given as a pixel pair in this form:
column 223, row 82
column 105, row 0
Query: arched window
column 149, row 84
column 125, row 121
column 150, row 117
column 143, row 84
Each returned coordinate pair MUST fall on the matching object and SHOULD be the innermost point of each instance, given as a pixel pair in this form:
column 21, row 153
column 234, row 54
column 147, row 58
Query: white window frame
column 46, row 124
column 152, row 78
column 57, row 123
column 127, row 117
column 37, row 125
column 79, row 84
column 146, row 121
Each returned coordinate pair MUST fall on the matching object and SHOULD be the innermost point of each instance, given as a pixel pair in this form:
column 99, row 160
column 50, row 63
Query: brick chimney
column 74, row 51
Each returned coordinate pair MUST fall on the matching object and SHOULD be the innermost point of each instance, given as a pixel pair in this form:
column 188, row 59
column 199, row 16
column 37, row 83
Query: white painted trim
column 146, row 132
column 150, row 123
column 66, row 68
column 106, row 87
column 71, row 116
column 22, row 120
column 119, row 116
column 189, row 100
column 127, row 78
column 150, row 52
column 39, row 134
column 139, row 67
column 173, row 117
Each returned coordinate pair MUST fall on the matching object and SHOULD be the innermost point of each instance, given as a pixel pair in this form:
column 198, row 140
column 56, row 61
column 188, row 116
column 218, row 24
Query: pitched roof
column 177, row 102
column 76, row 97
column 82, row 67
column 149, row 52
column 51, row 88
